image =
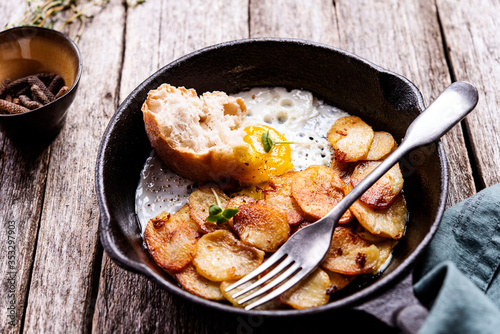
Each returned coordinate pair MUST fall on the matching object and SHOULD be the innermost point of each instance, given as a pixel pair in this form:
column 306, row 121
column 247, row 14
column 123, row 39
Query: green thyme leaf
column 214, row 210
column 229, row 213
column 216, row 214
column 267, row 141
column 212, row 219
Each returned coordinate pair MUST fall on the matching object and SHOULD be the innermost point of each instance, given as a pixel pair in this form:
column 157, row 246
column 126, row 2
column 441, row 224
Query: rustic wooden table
column 63, row 282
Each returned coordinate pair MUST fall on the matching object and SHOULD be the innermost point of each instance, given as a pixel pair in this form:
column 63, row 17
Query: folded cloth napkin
column 458, row 276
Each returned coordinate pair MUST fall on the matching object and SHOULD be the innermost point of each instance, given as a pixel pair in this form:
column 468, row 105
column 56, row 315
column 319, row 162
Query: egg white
column 296, row 114
column 159, row 190
column 299, row 116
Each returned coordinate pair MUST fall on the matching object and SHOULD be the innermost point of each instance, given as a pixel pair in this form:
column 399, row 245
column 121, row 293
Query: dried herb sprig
column 57, row 14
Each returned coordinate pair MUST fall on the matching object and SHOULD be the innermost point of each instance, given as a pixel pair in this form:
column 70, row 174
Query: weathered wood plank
column 190, row 25
column 60, row 296
column 23, row 173
column 404, row 36
column 471, row 32
column 304, row 19
column 128, row 302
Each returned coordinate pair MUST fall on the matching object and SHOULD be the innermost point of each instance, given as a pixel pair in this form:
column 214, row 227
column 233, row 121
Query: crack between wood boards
column 249, row 17
column 122, row 60
column 158, row 42
column 90, row 307
column 35, row 246
column 445, row 47
column 3, row 154
column 478, row 181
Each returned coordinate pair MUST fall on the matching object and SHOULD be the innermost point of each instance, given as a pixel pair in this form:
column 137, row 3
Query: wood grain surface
column 23, row 176
column 60, row 294
column 404, row 37
column 65, row 283
column 473, row 44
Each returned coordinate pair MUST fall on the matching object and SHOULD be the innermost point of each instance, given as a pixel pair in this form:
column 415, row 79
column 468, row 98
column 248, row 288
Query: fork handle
column 449, row 108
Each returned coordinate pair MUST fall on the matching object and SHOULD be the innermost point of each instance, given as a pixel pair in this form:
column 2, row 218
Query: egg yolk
column 257, row 165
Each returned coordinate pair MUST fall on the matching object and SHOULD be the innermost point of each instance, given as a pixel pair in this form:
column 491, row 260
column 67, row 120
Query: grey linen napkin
column 458, row 277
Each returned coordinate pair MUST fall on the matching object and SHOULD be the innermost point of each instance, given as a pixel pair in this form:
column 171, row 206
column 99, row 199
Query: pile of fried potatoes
column 206, row 257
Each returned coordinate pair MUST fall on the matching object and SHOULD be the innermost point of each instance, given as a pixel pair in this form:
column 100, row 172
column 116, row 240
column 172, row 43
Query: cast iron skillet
column 385, row 100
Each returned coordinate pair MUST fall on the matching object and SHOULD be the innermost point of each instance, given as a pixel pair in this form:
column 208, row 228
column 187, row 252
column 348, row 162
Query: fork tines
column 287, row 269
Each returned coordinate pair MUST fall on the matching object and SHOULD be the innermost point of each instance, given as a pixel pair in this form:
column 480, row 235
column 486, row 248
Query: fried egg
column 290, row 116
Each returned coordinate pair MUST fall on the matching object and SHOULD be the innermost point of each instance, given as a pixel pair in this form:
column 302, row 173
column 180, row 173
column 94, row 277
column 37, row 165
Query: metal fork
column 305, row 249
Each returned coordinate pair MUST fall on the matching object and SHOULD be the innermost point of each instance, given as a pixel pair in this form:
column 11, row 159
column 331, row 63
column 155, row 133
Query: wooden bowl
column 26, row 51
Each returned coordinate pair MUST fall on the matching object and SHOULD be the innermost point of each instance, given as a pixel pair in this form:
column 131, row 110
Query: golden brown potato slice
column 349, row 254
column 193, row 282
column 317, row 189
column 368, row 236
column 237, row 201
column 279, row 193
column 385, row 248
column 270, row 305
column 311, row 292
column 383, row 144
column 343, row 169
column 262, row 225
column 388, row 222
column 384, row 245
column 183, row 214
column 384, row 191
column 338, row 281
column 199, row 202
column 221, row 257
column 171, row 240
column 351, row 138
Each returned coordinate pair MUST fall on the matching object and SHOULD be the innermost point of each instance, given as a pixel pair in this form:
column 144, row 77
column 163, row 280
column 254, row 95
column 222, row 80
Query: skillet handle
column 398, row 307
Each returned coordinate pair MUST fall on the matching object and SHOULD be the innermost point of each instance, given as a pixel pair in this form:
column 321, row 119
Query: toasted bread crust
column 187, row 164
column 206, row 164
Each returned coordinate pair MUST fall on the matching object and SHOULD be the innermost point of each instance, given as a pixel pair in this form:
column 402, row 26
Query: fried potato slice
column 390, row 222
column 171, row 239
column 349, row 254
column 311, row 292
column 383, row 144
column 343, row 169
column 351, row 138
column 270, row 305
column 385, row 248
column 338, row 281
column 221, row 257
column 262, row 225
column 279, row 193
column 317, row 189
column 236, row 202
column 193, row 282
column 199, row 202
column 384, row 245
column 183, row 214
column 366, row 235
column 384, row 191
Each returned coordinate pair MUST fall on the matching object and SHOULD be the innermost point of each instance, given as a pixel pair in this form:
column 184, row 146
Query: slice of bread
column 195, row 136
